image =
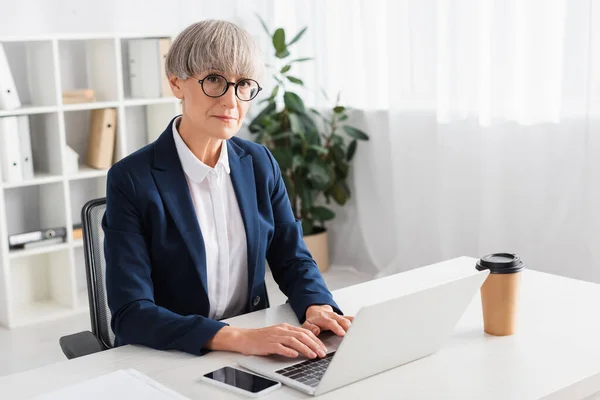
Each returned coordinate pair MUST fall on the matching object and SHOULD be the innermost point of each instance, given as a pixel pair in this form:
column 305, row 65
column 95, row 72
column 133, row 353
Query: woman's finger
column 327, row 322
column 311, row 327
column 344, row 322
column 293, row 343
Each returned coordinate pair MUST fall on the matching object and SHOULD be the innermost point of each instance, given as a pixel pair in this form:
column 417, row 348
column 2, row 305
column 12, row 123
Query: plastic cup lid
column 501, row 263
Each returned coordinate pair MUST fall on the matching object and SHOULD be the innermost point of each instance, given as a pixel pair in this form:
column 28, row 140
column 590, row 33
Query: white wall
column 35, row 17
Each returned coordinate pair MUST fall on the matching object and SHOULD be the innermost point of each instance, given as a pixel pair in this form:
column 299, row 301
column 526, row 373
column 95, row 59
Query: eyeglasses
column 216, row 86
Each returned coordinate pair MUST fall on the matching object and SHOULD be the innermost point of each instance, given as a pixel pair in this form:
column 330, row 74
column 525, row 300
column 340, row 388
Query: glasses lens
column 214, row 85
column 247, row 89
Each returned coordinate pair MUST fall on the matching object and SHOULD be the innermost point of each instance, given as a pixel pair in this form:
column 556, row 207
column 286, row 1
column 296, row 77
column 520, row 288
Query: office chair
column 101, row 337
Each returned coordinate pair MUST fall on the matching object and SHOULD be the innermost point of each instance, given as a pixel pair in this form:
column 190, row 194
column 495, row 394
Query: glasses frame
column 228, row 85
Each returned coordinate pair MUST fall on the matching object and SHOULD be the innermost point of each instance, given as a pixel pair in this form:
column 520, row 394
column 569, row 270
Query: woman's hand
column 282, row 339
column 322, row 318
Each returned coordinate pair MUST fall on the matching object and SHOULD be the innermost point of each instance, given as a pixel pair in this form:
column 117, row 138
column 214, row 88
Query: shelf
column 86, row 172
column 90, row 64
column 38, row 250
column 41, row 178
column 29, row 110
column 32, row 67
column 49, row 282
column 42, row 311
column 147, row 102
column 90, row 106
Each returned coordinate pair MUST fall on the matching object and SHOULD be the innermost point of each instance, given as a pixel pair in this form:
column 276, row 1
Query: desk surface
column 554, row 355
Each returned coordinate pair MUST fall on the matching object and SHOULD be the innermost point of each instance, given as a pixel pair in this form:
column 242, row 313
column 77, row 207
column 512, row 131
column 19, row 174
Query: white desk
column 555, row 354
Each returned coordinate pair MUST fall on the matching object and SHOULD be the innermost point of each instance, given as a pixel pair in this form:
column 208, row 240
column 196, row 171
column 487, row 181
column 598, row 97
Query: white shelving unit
column 46, row 283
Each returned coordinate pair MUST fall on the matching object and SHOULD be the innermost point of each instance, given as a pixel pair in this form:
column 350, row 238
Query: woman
column 191, row 218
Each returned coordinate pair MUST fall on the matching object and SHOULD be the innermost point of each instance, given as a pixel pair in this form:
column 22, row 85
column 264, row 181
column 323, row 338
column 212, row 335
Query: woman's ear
column 176, row 86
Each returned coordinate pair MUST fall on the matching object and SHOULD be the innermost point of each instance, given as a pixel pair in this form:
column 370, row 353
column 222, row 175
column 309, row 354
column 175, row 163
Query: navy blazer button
column 255, row 301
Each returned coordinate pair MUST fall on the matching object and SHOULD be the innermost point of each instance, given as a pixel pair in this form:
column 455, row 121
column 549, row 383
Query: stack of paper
column 122, row 384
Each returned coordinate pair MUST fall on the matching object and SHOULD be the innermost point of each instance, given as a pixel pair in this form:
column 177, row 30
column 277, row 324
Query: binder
column 101, row 140
column 144, row 68
column 21, row 240
column 9, row 98
column 25, row 147
column 163, row 48
column 10, row 153
column 71, row 161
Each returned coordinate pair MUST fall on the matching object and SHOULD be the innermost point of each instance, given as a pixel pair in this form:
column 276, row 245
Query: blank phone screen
column 241, row 379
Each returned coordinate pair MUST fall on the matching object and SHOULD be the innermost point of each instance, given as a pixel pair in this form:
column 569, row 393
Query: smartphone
column 241, row 382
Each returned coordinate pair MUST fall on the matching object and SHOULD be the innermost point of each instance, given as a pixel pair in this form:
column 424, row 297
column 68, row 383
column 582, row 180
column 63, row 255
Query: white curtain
column 484, row 119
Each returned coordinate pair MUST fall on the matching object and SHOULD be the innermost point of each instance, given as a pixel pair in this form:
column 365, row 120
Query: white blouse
column 222, row 228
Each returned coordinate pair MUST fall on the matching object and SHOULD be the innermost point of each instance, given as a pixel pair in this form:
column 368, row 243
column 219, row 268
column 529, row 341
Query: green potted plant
column 314, row 150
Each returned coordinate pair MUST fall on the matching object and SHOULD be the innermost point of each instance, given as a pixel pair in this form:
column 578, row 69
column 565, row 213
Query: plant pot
column 318, row 247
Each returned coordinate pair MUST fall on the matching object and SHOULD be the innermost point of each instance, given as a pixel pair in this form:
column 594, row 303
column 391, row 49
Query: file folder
column 25, row 147
column 10, row 152
column 101, row 140
column 9, row 98
column 163, row 46
column 144, row 68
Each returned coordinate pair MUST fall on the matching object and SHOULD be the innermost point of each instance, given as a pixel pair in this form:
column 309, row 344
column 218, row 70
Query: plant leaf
column 319, row 114
column 279, row 40
column 281, row 135
column 338, row 154
column 307, row 196
column 339, row 194
column 283, row 157
column 275, row 91
column 282, row 54
column 295, row 123
column 293, row 79
column 309, row 124
column 294, row 103
column 342, row 169
column 351, row 150
column 319, row 175
column 356, row 133
column 319, row 149
column 297, row 161
column 325, row 94
column 302, row 59
column 256, row 123
column 338, row 109
column 312, row 137
column 289, row 186
column 307, row 227
column 298, row 36
column 285, row 69
column 322, row 213
column 278, row 80
column 264, row 25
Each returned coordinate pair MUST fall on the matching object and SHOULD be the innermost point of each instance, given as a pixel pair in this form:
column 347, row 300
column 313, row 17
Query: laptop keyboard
column 308, row 372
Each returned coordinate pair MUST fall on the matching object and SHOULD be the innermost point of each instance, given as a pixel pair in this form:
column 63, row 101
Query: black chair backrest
column 95, row 269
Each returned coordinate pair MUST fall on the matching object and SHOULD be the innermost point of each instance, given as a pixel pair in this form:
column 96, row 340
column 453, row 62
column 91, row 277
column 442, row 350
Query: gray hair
column 214, row 45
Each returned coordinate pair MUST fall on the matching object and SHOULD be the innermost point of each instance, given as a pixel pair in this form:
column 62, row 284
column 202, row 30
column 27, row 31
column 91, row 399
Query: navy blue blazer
column 155, row 255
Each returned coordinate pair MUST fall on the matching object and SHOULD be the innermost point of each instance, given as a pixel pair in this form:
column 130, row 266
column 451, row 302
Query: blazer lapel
column 172, row 185
column 244, row 185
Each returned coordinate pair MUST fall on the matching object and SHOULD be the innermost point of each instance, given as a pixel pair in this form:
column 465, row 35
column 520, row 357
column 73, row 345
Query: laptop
column 383, row 336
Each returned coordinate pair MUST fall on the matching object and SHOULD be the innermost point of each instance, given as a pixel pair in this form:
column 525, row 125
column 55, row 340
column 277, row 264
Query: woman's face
column 219, row 117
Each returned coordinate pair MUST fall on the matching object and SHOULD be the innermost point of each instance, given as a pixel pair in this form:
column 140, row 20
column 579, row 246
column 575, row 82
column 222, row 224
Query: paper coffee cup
column 500, row 292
